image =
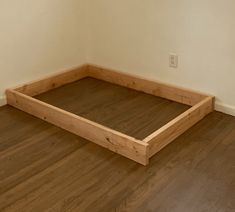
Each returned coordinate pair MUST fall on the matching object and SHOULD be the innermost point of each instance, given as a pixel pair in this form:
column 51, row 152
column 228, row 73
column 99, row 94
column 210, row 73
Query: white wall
column 39, row 37
column 137, row 35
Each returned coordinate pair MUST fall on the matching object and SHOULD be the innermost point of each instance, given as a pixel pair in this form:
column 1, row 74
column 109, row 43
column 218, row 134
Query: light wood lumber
column 53, row 81
column 137, row 150
column 168, row 133
column 174, row 93
column 103, row 136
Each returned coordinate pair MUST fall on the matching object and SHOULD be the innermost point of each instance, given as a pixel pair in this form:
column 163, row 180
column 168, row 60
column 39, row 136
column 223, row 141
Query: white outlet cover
column 173, row 60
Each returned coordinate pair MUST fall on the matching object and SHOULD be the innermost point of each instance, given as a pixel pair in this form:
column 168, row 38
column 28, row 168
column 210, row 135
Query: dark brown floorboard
column 135, row 113
column 44, row 168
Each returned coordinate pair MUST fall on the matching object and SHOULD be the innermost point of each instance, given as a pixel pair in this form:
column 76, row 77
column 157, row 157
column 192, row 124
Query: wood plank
column 35, row 154
column 82, row 169
column 108, row 138
column 53, row 81
column 120, row 143
column 10, row 116
column 168, row 133
column 174, row 93
column 183, row 177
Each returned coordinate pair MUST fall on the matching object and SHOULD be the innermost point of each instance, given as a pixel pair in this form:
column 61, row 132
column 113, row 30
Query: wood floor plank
column 16, row 126
column 24, row 162
column 54, row 182
column 131, row 112
column 183, row 187
column 44, row 168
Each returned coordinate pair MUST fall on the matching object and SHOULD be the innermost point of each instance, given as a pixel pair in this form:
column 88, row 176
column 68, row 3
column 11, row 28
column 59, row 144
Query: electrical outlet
column 173, row 60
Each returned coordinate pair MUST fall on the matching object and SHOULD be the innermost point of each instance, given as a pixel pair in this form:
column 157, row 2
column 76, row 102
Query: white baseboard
column 224, row 108
column 3, row 100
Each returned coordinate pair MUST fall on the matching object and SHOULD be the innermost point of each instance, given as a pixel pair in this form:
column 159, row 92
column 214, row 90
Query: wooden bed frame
column 138, row 150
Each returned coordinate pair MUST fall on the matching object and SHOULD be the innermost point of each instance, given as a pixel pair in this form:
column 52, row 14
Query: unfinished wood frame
column 138, row 150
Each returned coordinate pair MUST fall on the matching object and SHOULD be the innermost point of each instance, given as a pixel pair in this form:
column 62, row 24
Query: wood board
column 138, row 150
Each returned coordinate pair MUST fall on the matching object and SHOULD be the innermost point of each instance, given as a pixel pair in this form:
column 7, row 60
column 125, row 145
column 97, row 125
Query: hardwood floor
column 44, row 168
column 134, row 113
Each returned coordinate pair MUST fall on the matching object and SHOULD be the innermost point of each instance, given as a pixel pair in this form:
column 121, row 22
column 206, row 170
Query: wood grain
column 53, row 81
column 106, row 137
column 195, row 173
column 138, row 150
column 168, row 133
column 174, row 93
column 125, row 110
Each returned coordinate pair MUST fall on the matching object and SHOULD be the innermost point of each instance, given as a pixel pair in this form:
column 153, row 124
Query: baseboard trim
column 3, row 100
column 224, row 108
